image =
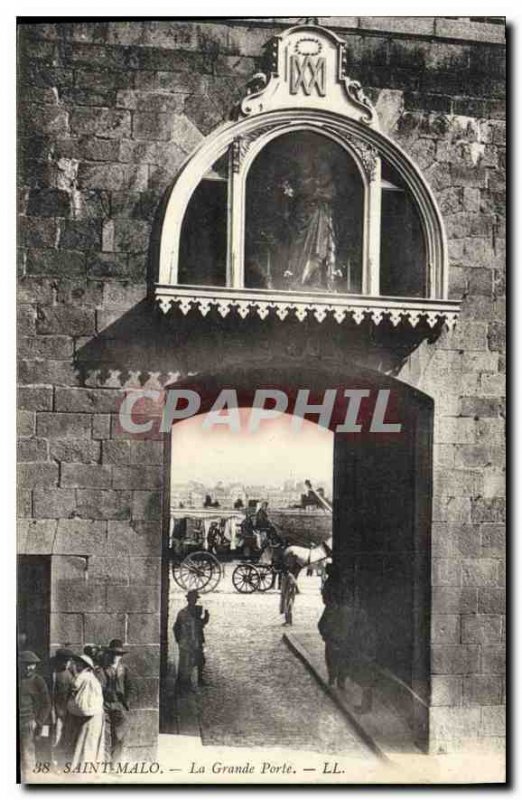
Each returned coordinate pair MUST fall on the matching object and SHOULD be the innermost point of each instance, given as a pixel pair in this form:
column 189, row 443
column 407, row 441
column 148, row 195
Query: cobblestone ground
column 259, row 694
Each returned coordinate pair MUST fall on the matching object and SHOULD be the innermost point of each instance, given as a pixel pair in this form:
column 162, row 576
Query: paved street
column 259, row 694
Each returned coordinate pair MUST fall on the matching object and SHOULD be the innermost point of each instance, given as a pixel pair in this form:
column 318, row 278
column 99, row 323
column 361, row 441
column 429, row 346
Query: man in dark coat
column 62, row 680
column 350, row 642
column 119, row 693
column 336, row 629
column 190, row 637
column 34, row 706
column 331, row 588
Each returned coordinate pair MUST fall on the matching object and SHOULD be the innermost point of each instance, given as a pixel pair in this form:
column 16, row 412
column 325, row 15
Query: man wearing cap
column 189, row 635
column 119, row 692
column 62, row 680
column 34, row 705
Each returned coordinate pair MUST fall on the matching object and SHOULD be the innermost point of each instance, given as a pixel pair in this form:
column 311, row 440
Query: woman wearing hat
column 83, row 736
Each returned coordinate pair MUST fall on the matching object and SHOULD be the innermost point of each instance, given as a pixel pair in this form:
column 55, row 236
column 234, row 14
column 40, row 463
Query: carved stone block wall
column 109, row 111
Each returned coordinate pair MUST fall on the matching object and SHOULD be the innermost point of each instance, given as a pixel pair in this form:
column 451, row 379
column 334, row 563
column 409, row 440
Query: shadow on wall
column 144, row 345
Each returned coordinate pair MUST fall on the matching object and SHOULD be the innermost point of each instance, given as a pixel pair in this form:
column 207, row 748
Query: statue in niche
column 303, row 217
column 312, row 250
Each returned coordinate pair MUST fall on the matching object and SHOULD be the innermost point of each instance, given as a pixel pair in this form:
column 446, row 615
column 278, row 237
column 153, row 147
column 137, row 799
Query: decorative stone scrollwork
column 241, row 145
column 262, row 310
column 368, row 156
column 432, row 318
column 305, row 85
column 306, row 62
column 350, row 307
column 239, row 149
column 254, row 90
column 340, row 314
column 356, row 93
column 243, row 308
column 414, row 317
column 165, row 303
column 376, row 315
column 451, row 320
column 224, row 308
column 395, row 317
column 301, row 312
column 204, row 307
column 185, row 305
column 281, row 311
column 320, row 313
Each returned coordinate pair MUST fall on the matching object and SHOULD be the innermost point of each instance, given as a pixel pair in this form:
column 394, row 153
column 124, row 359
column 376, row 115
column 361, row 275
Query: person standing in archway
column 335, row 627
column 361, row 654
column 289, row 589
column 190, row 637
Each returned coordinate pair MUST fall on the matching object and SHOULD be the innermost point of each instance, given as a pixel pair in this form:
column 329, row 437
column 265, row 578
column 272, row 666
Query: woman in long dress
column 83, row 735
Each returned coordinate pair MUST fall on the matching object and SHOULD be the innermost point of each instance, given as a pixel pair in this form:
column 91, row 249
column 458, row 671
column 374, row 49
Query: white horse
column 296, row 557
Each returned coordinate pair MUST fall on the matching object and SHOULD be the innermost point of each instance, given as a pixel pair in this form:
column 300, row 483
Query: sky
column 270, row 456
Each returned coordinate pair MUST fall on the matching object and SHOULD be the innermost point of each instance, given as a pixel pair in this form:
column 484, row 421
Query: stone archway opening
column 379, row 485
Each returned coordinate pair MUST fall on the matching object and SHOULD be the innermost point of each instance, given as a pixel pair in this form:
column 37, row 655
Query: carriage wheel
column 217, row 574
column 266, row 577
column 197, row 571
column 245, row 579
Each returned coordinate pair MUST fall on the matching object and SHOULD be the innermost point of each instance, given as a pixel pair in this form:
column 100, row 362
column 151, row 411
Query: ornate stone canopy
column 305, row 86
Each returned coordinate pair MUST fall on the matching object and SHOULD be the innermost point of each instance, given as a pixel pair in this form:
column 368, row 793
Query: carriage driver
column 189, row 635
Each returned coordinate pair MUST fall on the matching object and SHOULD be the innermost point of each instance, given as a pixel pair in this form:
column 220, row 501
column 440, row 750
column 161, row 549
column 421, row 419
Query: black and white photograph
column 261, row 400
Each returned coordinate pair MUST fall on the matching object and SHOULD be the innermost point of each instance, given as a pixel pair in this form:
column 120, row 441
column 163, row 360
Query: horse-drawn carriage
column 202, row 541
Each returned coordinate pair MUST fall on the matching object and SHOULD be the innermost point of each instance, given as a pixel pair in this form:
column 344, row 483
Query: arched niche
column 402, row 278
column 304, row 219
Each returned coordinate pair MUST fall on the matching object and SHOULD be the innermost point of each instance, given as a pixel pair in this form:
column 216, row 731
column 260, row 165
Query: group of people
column 84, row 708
column 350, row 642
